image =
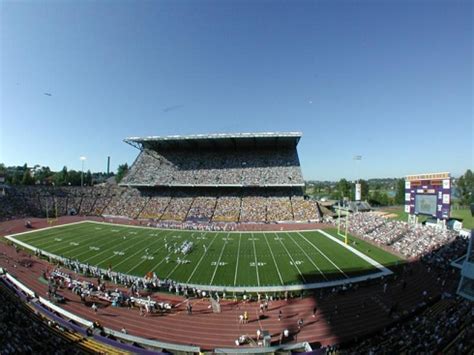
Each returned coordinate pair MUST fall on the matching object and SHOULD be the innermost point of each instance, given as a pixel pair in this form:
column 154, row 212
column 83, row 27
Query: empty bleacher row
column 202, row 206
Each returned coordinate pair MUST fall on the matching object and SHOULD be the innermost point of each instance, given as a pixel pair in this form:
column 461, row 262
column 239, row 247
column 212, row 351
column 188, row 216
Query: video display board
column 425, row 204
column 428, row 194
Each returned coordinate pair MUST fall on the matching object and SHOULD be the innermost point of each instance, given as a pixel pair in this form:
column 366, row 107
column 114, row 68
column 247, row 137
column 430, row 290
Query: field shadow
column 349, row 314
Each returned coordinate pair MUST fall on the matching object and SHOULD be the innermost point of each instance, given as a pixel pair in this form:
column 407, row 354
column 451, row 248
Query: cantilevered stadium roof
column 219, row 140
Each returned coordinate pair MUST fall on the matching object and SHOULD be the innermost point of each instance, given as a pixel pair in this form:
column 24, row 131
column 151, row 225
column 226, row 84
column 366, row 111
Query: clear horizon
column 390, row 81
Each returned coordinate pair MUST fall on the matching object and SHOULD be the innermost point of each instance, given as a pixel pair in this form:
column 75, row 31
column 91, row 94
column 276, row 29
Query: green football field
column 229, row 259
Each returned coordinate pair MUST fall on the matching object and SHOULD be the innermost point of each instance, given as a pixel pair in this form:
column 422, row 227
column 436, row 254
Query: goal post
column 346, row 224
column 412, row 219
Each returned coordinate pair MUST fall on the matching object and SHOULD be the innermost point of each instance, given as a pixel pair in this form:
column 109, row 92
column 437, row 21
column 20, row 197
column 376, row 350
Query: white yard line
column 114, row 246
column 356, row 252
column 161, row 262
column 185, row 230
column 256, row 261
column 202, row 257
column 281, row 288
column 273, row 257
column 319, row 250
column 307, row 256
column 63, row 245
column 384, row 271
column 39, row 236
column 46, row 228
column 51, row 242
column 83, row 242
column 172, row 270
column 218, row 261
column 141, row 250
column 177, row 265
column 293, row 261
column 237, row 263
column 144, row 260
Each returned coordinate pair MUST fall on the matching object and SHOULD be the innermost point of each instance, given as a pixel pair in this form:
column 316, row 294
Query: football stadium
column 209, row 244
column 204, row 177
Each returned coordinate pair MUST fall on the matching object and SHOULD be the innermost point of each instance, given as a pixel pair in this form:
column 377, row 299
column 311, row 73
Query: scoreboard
column 428, row 194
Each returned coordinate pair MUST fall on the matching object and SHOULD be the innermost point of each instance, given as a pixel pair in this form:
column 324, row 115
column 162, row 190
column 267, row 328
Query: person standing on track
column 300, row 323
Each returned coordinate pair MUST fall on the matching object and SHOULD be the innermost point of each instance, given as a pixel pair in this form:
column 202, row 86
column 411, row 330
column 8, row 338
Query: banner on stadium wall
column 358, row 192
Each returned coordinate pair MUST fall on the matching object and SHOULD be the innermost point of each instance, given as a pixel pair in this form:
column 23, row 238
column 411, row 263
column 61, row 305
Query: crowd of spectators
column 448, row 325
column 24, row 332
column 407, row 239
column 179, row 205
column 51, row 201
column 202, row 209
column 279, row 209
column 441, row 325
column 155, row 207
column 263, row 182
column 243, row 167
column 100, row 291
column 177, row 209
column 227, row 209
column 305, row 210
column 194, row 226
column 254, row 209
column 127, row 203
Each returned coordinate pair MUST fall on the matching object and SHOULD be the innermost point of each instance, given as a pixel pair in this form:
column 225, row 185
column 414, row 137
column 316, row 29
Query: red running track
column 359, row 312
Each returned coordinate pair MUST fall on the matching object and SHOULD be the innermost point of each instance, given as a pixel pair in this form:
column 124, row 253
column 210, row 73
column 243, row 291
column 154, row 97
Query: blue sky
column 388, row 80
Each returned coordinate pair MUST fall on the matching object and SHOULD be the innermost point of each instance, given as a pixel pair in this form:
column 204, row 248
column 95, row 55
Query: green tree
column 27, row 179
column 364, row 187
column 121, row 172
column 43, row 175
column 384, row 199
column 400, row 193
column 344, row 188
column 74, row 178
column 378, row 198
column 465, row 185
column 61, row 177
column 88, row 178
column 14, row 180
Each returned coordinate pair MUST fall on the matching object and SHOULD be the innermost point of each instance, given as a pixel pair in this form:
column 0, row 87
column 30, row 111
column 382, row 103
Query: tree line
column 378, row 192
column 24, row 175
column 384, row 192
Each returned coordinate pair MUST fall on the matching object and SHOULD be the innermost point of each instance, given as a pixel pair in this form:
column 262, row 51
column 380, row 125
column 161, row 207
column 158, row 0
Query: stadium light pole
column 82, row 170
